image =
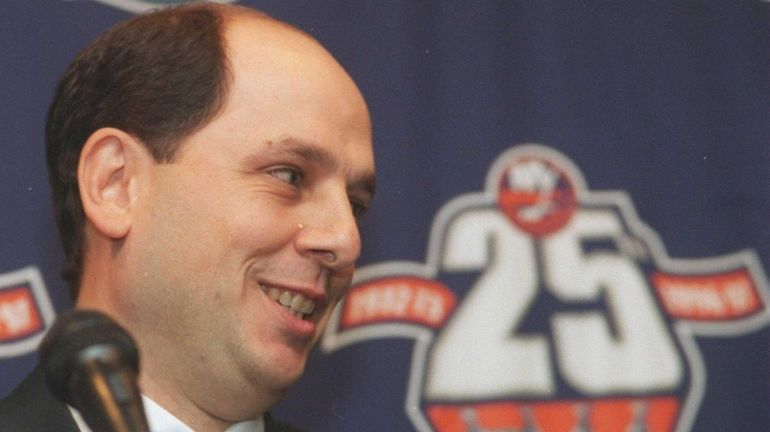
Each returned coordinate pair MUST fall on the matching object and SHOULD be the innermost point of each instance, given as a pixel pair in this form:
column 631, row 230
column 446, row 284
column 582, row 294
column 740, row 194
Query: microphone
column 91, row 363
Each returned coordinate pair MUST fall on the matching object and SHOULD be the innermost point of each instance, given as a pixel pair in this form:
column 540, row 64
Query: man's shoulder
column 31, row 407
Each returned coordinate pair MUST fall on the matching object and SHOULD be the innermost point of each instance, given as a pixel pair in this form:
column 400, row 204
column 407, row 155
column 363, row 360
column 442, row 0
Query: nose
column 329, row 232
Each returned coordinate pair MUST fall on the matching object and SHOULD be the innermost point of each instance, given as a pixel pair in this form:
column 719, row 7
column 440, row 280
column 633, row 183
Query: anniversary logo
column 546, row 306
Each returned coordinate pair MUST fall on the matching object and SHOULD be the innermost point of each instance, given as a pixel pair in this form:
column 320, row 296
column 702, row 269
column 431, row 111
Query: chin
column 285, row 373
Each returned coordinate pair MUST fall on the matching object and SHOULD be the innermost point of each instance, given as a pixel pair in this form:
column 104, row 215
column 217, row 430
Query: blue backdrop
column 572, row 226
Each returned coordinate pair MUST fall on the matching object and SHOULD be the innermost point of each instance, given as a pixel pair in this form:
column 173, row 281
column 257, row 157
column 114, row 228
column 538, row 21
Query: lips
column 296, row 303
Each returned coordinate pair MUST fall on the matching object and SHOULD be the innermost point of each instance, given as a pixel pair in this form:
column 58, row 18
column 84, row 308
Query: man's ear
column 109, row 170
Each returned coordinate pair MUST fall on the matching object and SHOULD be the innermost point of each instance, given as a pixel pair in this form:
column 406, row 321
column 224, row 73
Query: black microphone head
column 80, row 335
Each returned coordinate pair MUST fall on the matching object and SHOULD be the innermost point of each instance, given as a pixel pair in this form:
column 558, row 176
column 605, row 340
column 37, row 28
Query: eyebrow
column 319, row 156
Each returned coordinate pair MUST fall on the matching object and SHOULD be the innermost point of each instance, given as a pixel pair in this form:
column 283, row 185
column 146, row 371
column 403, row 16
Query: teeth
column 285, row 299
column 307, row 306
column 274, row 293
column 297, row 304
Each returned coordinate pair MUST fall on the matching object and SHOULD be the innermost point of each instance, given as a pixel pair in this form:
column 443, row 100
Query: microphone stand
column 106, row 396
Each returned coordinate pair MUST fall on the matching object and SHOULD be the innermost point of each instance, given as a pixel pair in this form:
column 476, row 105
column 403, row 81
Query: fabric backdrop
column 571, row 230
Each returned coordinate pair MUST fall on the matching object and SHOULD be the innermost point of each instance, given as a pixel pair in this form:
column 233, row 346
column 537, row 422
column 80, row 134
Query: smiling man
column 208, row 164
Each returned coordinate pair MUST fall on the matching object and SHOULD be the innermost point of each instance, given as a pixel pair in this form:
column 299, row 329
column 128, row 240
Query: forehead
column 285, row 84
column 260, row 49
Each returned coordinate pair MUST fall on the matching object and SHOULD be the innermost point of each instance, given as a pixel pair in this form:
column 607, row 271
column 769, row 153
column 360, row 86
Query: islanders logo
column 25, row 311
column 546, row 306
column 138, row 6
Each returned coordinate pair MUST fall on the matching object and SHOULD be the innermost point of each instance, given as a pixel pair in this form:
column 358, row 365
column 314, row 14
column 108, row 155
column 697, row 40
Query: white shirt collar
column 161, row 420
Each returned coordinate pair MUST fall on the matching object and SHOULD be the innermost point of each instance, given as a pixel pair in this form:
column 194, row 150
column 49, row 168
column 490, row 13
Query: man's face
column 257, row 210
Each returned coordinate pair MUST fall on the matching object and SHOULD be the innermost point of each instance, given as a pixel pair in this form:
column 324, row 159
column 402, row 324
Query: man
column 208, row 164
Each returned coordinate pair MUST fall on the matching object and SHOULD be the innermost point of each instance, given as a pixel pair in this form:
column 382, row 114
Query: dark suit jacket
column 32, row 408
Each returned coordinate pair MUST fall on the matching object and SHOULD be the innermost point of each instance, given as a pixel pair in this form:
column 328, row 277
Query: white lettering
column 533, row 176
column 689, row 299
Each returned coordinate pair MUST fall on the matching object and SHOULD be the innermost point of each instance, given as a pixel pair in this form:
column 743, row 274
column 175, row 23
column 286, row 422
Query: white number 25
column 480, row 354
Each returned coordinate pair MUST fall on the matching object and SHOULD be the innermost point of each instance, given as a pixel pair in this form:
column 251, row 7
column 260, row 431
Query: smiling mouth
column 297, row 304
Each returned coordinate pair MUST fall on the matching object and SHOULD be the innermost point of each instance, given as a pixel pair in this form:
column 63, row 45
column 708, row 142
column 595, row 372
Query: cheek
column 340, row 285
column 180, row 236
column 260, row 227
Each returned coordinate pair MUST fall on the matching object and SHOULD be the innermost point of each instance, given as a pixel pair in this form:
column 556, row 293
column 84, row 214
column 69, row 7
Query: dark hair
column 158, row 77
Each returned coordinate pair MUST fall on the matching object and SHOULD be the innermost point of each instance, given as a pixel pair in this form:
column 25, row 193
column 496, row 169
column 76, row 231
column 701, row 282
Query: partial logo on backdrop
column 138, row 6
column 546, row 306
column 25, row 311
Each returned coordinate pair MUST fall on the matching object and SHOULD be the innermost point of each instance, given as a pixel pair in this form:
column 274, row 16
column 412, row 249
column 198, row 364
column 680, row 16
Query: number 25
column 479, row 353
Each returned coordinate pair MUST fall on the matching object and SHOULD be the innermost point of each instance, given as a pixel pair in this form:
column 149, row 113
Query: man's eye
column 358, row 209
column 288, row 175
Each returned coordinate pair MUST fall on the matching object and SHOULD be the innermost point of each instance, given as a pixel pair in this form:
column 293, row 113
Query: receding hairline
column 233, row 15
